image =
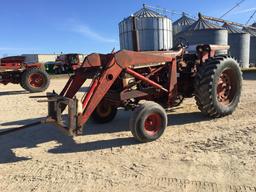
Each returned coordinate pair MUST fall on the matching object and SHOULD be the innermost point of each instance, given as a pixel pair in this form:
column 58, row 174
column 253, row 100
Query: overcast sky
column 85, row 26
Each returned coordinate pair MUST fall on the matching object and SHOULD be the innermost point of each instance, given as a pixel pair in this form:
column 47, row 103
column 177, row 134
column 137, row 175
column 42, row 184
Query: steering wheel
column 181, row 43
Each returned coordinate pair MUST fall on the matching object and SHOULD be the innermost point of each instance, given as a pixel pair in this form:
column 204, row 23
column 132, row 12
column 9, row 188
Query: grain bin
column 205, row 32
column 239, row 42
column 145, row 30
column 252, row 45
column 182, row 24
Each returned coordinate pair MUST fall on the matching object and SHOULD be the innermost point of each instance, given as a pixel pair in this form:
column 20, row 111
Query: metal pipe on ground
column 2, row 133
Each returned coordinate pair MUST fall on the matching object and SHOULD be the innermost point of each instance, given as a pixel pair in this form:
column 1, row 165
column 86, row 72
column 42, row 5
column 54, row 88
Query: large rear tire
column 35, row 80
column 218, row 86
column 148, row 122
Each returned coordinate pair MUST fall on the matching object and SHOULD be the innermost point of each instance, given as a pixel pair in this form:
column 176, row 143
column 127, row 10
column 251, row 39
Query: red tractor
column 148, row 83
column 65, row 63
column 31, row 77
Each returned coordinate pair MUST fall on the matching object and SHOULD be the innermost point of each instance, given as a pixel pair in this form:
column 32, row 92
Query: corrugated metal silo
column 252, row 45
column 151, row 30
column 182, row 24
column 239, row 42
column 205, row 32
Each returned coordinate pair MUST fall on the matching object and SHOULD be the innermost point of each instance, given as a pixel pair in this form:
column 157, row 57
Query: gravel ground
column 194, row 154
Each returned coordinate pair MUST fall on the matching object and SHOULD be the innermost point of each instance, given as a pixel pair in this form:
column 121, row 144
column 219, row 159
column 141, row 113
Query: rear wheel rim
column 36, row 80
column 152, row 124
column 226, row 87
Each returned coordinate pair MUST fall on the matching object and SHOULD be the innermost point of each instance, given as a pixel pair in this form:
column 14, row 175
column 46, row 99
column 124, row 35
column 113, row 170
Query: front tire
column 218, row 86
column 148, row 122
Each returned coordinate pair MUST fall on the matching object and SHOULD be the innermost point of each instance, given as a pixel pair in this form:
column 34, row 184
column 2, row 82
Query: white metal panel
column 46, row 58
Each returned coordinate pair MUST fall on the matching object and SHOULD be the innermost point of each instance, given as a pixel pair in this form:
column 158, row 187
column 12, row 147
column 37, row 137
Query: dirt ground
column 194, row 154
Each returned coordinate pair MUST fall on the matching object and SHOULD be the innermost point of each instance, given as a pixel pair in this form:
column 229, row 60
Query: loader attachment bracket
column 66, row 122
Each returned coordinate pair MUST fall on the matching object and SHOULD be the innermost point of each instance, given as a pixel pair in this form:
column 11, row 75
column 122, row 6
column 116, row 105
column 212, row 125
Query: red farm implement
column 148, row 83
column 30, row 76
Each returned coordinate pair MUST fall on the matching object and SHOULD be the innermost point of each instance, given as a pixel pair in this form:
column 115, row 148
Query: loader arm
column 98, row 90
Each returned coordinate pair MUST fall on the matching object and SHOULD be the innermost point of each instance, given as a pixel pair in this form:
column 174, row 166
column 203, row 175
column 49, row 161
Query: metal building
column 239, row 42
column 145, row 30
column 182, row 24
column 252, row 45
column 205, row 32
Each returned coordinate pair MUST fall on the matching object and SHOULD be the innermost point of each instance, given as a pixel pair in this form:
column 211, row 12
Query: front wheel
column 148, row 122
column 218, row 86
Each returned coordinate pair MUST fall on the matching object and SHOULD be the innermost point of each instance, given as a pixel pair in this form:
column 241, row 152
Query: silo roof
column 250, row 31
column 145, row 12
column 184, row 20
column 232, row 29
column 201, row 24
